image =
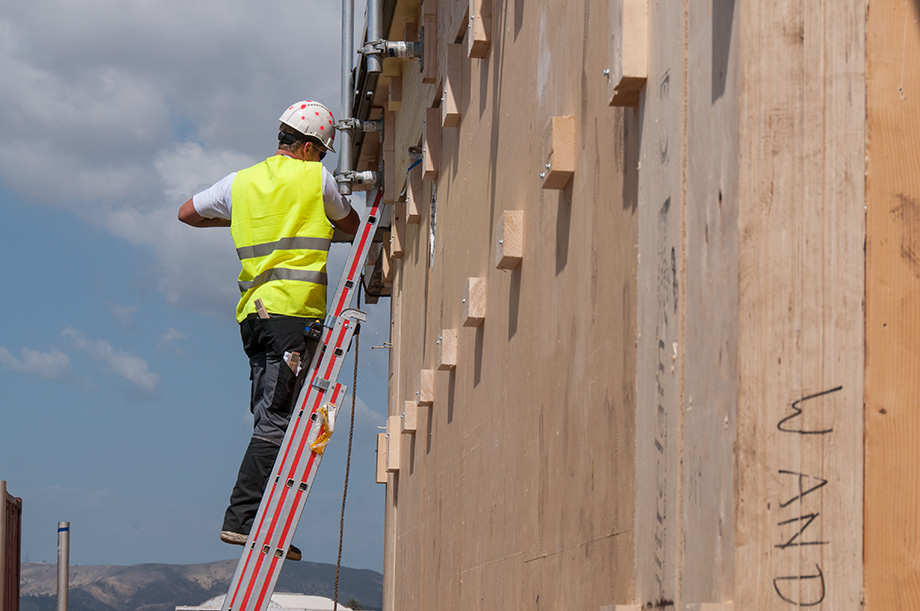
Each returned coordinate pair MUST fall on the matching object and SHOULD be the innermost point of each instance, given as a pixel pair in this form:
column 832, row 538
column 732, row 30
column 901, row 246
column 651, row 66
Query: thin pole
column 3, row 553
column 63, row 558
column 374, row 33
column 348, row 93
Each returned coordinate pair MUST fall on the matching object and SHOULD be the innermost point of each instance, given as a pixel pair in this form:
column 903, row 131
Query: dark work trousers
column 266, row 340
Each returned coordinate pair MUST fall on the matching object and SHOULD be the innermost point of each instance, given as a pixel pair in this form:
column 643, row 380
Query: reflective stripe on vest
column 282, row 237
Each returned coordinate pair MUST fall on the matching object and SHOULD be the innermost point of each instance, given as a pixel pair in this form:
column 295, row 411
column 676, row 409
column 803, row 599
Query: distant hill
column 163, row 587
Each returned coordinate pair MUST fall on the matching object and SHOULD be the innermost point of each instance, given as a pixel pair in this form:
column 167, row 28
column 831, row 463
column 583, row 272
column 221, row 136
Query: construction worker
column 281, row 214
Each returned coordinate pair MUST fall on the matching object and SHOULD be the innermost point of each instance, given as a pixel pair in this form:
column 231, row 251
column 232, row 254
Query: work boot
column 233, row 538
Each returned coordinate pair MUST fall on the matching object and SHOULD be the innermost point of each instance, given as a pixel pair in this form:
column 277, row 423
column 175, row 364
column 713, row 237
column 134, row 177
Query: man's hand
column 189, row 216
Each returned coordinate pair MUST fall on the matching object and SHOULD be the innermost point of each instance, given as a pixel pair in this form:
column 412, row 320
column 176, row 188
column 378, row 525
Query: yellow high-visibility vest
column 282, row 237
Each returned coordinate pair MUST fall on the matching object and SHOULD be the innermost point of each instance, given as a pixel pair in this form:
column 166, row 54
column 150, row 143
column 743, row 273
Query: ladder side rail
column 265, row 583
column 278, row 533
column 295, row 437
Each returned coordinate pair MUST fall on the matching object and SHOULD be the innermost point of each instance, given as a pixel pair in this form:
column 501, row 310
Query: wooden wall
column 671, row 395
column 515, row 491
column 892, row 305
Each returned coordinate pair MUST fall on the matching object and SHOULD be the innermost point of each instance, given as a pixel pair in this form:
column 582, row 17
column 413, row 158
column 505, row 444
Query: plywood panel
column 801, row 282
column 710, row 367
column 535, row 414
column 892, row 311
column 659, row 350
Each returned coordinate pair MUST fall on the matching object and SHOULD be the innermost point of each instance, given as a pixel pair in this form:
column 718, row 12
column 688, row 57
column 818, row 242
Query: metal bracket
column 361, row 181
column 402, row 49
column 368, row 125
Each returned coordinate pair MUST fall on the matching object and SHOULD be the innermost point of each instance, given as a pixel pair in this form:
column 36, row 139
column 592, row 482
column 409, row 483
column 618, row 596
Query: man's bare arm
column 189, row 216
column 349, row 224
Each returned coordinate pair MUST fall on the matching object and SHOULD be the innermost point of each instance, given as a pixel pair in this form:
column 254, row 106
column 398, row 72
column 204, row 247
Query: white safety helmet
column 311, row 119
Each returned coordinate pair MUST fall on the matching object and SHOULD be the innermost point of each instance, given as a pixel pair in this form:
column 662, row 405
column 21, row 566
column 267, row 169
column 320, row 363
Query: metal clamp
column 402, row 49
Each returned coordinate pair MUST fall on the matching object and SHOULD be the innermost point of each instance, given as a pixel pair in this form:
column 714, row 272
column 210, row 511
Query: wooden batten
column 479, row 36
column 394, row 94
column 447, row 350
column 630, row 44
column 393, row 438
column 559, row 152
column 381, row 458
column 387, row 264
column 414, row 195
column 451, row 98
column 398, row 230
column 509, row 239
column 426, row 387
column 474, row 302
column 410, row 417
column 389, row 177
column 431, row 144
column 430, row 51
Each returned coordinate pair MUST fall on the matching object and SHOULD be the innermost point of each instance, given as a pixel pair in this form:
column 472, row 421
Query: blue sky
column 123, row 384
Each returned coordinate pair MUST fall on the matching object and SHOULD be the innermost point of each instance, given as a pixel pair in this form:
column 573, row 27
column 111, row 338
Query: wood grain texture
column 479, row 36
column 474, row 302
column 453, row 87
column 801, row 286
column 559, row 151
column 509, row 239
column 629, row 29
column 892, row 311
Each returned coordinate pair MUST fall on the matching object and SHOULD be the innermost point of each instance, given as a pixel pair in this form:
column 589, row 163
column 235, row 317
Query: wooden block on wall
column 387, row 267
column 398, row 231
column 450, row 101
column 410, row 32
column 390, row 192
column 426, row 387
column 474, row 302
column 431, row 145
column 629, row 26
column 410, row 417
column 559, row 152
column 414, row 196
column 430, row 51
column 393, row 438
column 509, row 248
column 621, row 608
column 381, row 458
column 394, row 97
column 480, row 29
column 447, row 350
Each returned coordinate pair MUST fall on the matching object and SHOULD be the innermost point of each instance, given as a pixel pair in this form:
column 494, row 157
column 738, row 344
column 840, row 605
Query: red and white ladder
column 312, row 422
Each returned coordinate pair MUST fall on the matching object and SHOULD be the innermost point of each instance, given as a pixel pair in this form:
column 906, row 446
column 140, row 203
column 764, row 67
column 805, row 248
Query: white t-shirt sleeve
column 214, row 203
column 337, row 206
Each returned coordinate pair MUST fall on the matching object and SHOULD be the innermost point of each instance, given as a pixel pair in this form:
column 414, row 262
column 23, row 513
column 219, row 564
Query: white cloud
column 119, row 111
column 168, row 341
column 123, row 313
column 46, row 365
column 125, row 365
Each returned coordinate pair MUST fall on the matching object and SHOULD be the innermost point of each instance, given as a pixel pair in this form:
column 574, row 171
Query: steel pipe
column 63, row 559
column 346, row 140
column 374, row 33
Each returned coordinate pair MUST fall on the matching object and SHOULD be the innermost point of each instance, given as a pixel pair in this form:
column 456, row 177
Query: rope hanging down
column 351, row 430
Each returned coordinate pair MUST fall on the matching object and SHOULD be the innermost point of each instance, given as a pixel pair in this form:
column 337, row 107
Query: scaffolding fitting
column 357, row 125
column 358, row 181
column 385, row 48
